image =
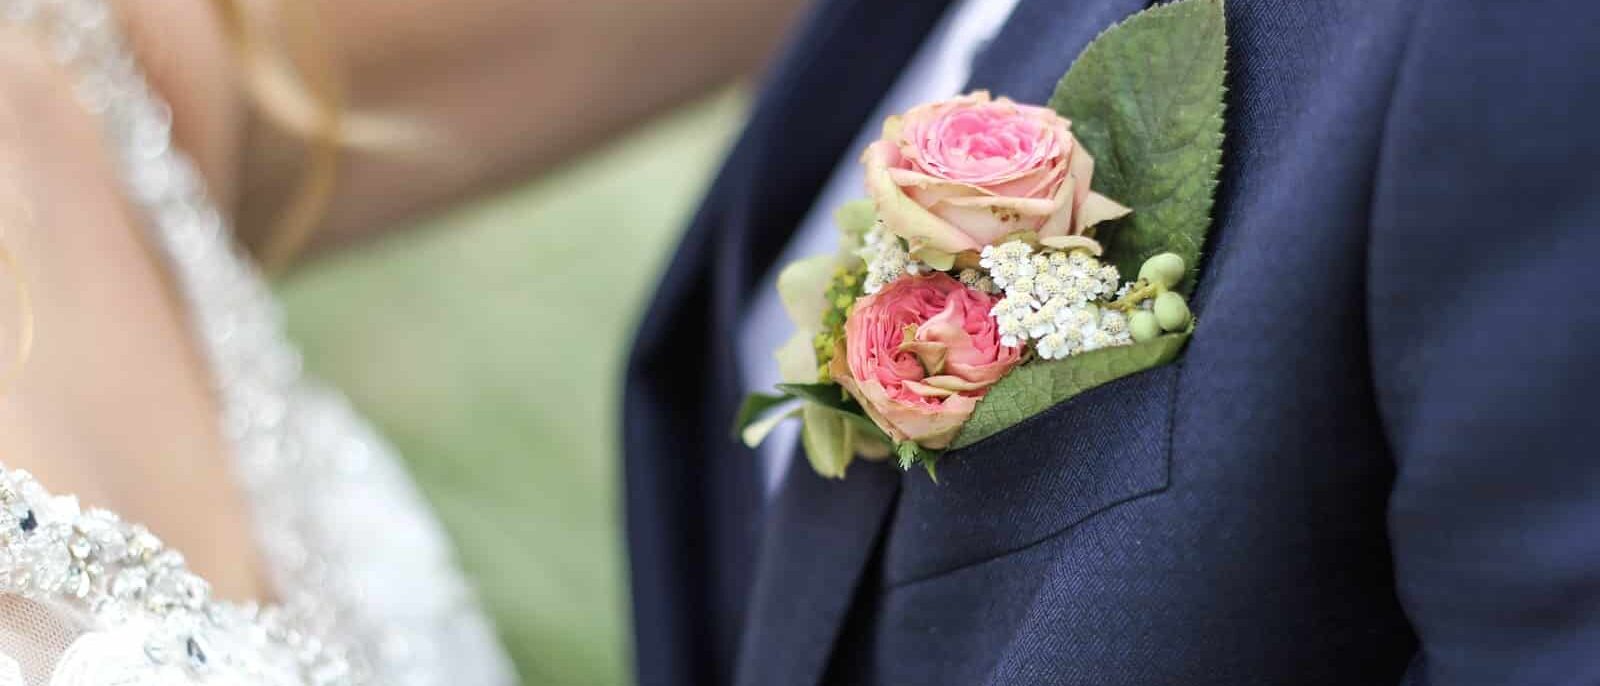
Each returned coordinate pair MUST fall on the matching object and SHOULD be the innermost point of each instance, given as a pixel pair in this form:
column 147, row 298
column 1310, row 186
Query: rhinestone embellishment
column 118, row 572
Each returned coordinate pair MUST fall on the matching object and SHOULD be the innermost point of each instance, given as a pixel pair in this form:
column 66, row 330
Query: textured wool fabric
column 1370, row 466
column 693, row 494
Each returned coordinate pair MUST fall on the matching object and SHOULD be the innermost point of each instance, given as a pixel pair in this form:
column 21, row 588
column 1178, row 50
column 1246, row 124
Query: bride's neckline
column 351, row 548
column 53, row 550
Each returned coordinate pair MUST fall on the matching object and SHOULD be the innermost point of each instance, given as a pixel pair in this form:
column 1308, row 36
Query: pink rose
column 964, row 173
column 920, row 354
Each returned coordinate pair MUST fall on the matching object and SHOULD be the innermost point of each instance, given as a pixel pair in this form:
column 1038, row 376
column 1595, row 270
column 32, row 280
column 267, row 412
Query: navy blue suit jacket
column 1371, row 465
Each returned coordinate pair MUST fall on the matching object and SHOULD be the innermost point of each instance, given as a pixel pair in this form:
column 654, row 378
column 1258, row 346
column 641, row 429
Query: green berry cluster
column 843, row 289
column 1168, row 311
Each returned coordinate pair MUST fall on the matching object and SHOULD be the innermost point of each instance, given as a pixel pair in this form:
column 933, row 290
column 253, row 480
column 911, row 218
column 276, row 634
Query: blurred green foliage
column 488, row 345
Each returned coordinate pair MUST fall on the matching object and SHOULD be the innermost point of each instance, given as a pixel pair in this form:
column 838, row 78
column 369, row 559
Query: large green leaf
column 1145, row 98
column 1035, row 387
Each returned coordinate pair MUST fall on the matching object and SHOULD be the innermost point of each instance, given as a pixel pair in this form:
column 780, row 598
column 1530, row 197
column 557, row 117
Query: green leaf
column 1146, row 99
column 756, row 432
column 833, row 397
column 803, row 288
column 754, row 407
column 865, row 427
column 1035, row 387
column 824, row 394
column 854, row 219
column 911, row 454
column 797, row 358
column 828, row 440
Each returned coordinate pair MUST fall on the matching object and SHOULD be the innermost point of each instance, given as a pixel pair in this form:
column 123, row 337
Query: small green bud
column 1143, row 325
column 1172, row 313
column 1165, row 270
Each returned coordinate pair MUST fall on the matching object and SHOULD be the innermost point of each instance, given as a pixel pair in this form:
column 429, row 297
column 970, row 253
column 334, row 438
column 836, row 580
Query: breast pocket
column 1037, row 479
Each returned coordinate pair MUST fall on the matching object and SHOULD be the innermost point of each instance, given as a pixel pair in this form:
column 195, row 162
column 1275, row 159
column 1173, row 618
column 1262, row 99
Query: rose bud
column 1171, row 311
column 919, row 354
column 960, row 174
column 1165, row 270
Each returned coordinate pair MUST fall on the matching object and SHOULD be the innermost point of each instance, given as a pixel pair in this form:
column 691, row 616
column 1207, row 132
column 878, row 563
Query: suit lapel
column 694, row 499
column 818, row 534
column 817, row 540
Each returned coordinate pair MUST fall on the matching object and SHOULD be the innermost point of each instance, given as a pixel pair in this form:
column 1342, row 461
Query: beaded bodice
column 369, row 590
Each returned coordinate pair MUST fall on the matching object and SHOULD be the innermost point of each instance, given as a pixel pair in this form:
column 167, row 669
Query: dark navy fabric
column 693, row 495
column 1370, row 466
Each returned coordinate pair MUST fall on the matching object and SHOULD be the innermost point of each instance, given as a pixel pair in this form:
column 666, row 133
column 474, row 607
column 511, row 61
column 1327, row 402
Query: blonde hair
column 308, row 102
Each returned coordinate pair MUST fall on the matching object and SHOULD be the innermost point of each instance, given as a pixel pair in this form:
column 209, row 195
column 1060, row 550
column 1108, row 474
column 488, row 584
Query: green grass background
column 488, row 345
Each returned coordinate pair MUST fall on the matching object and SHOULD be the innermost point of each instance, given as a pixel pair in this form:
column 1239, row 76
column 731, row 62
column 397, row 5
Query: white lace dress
column 369, row 590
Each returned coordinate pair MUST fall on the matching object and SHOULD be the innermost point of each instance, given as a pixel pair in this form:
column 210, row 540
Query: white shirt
column 942, row 65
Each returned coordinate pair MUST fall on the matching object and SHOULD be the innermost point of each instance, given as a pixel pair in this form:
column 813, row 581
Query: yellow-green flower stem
column 1142, row 291
column 843, row 289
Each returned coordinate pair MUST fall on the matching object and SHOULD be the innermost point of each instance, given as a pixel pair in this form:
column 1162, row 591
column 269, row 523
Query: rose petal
column 901, row 215
column 937, row 259
column 1032, row 207
column 1073, row 243
column 977, row 170
column 929, row 427
column 927, row 390
column 892, row 126
column 1080, row 168
column 955, row 384
column 898, row 381
column 947, row 328
column 1060, row 221
column 1098, row 208
column 858, row 390
column 931, row 354
column 936, row 431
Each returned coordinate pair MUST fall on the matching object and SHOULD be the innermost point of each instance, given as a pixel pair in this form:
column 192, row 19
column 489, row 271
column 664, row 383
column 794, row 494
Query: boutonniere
column 1010, row 256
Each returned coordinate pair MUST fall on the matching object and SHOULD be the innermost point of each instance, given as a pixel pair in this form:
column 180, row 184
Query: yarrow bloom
column 973, row 278
column 1008, row 264
column 920, row 354
column 1052, row 299
column 886, row 258
column 964, row 173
